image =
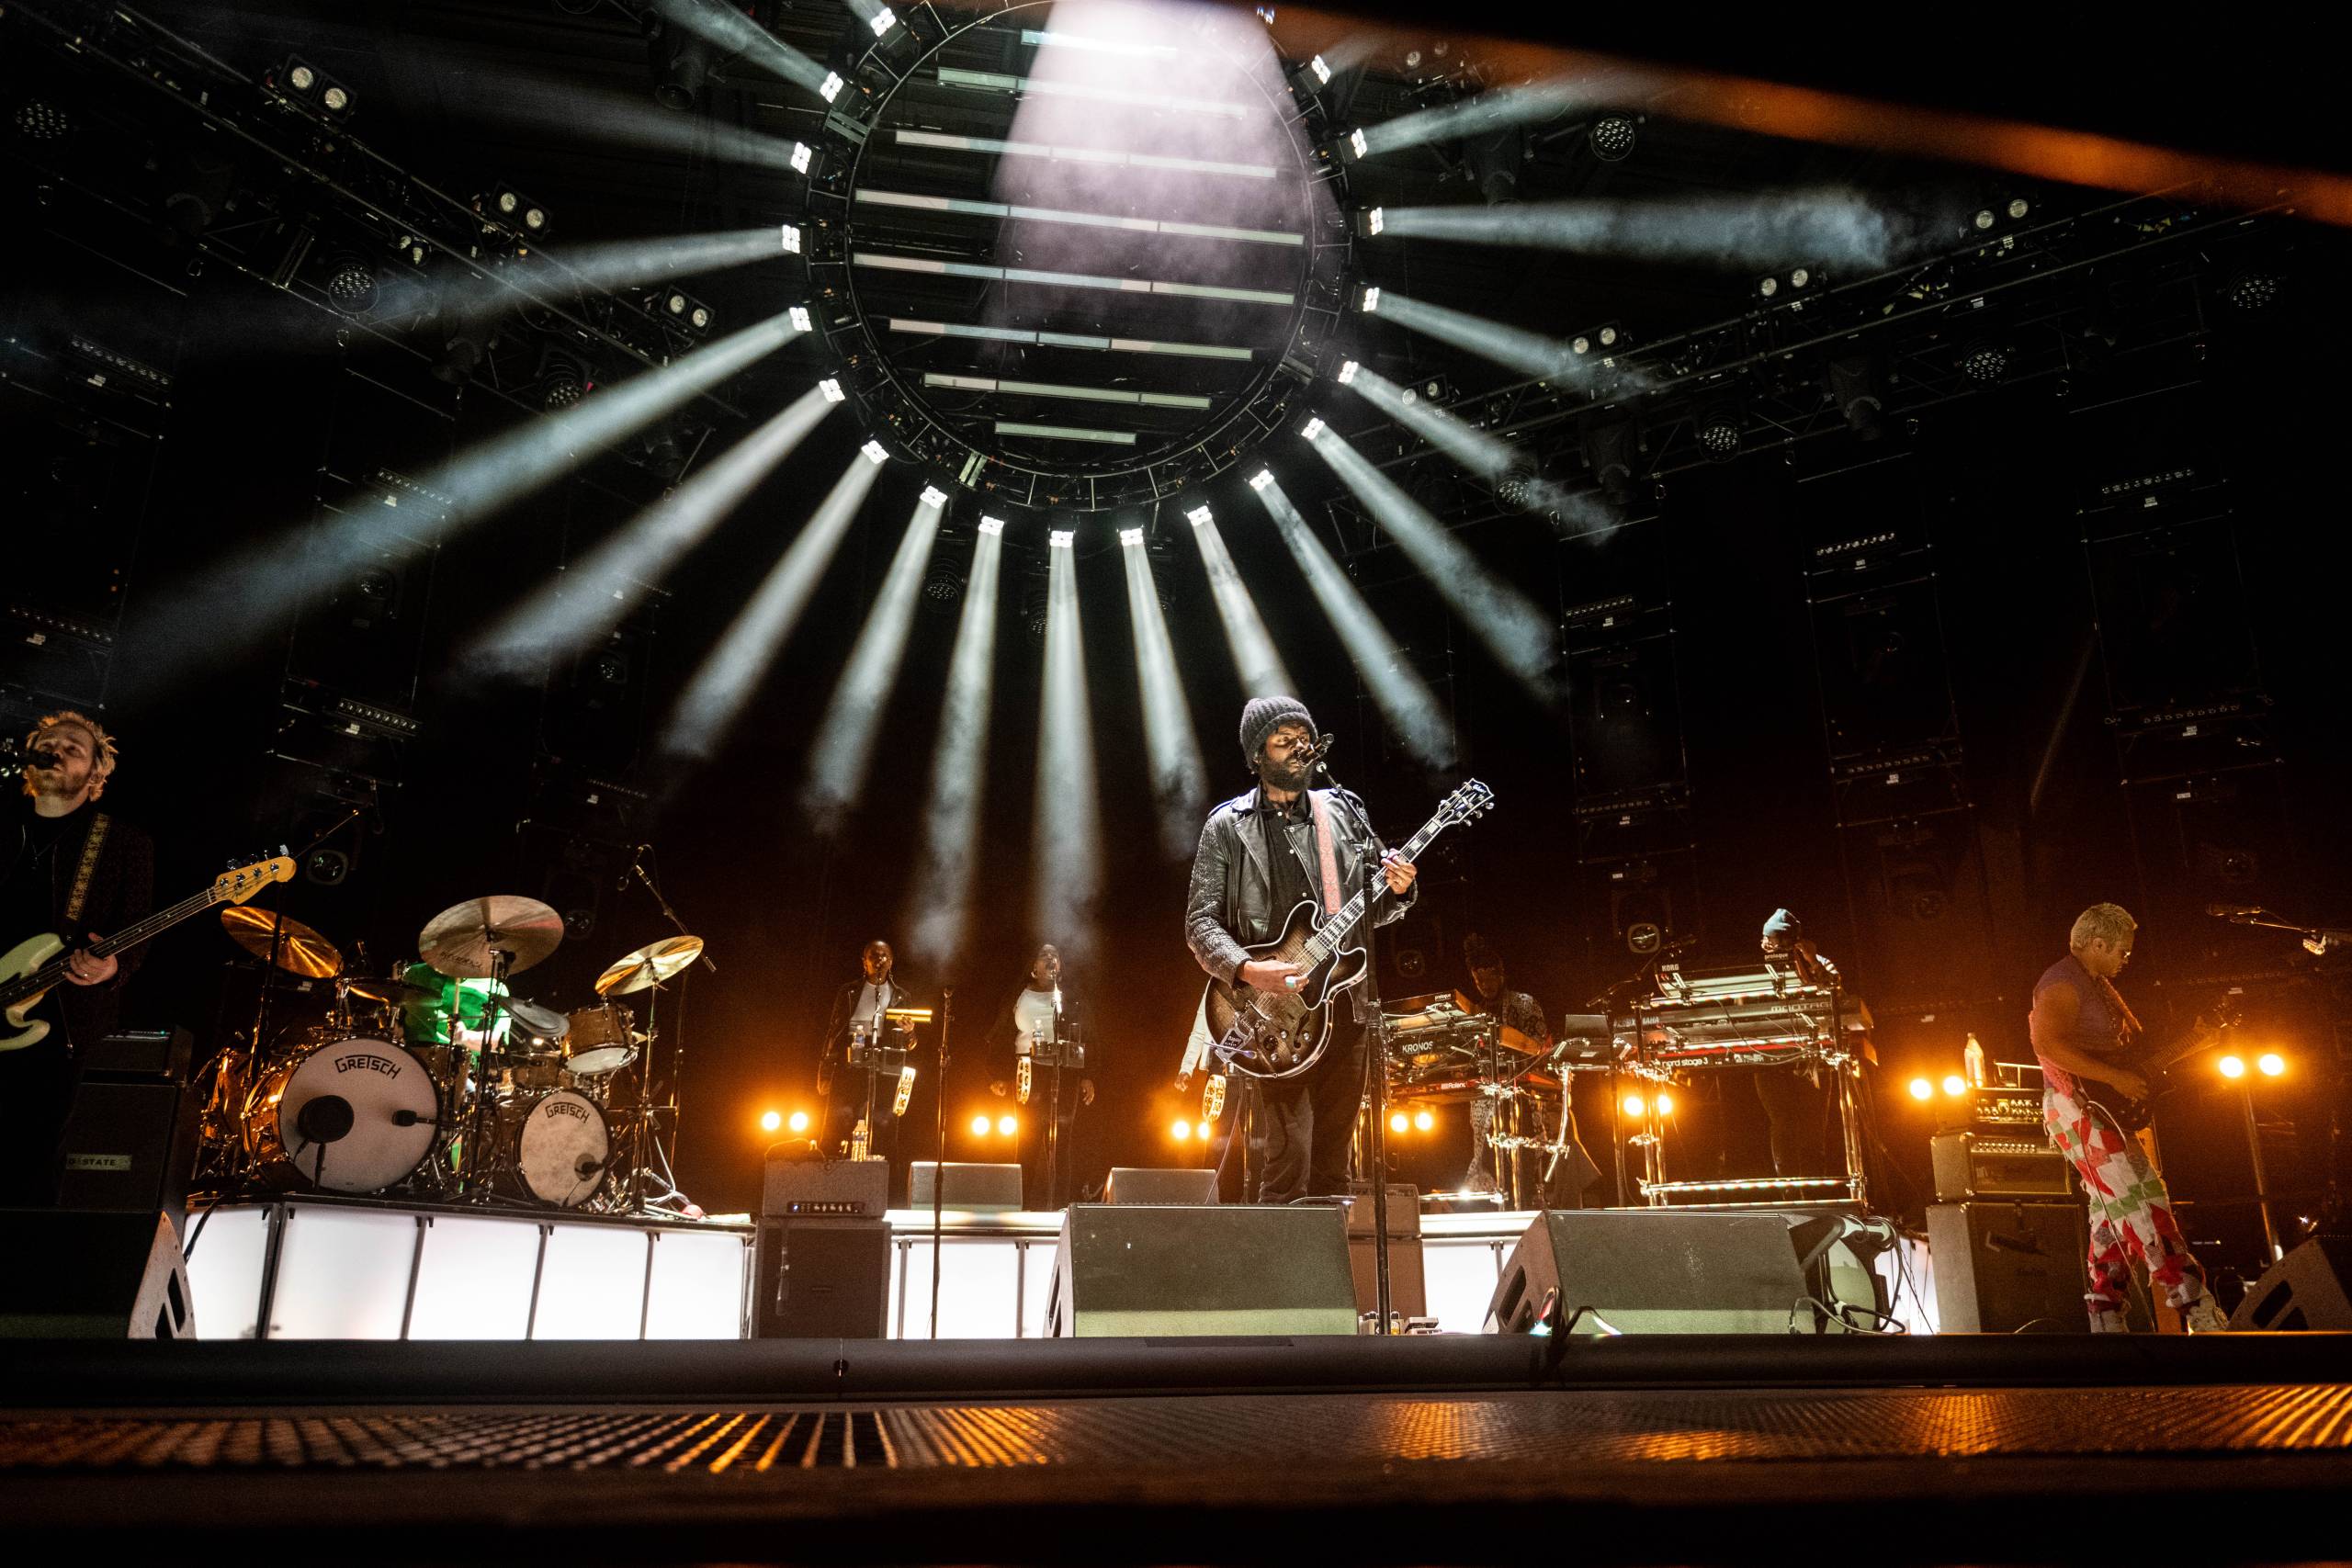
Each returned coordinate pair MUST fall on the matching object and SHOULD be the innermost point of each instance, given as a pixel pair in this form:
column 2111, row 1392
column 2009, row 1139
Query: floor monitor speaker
column 78, row 1274
column 970, row 1187
column 1145, row 1184
column 1130, row 1269
column 2306, row 1289
column 1653, row 1271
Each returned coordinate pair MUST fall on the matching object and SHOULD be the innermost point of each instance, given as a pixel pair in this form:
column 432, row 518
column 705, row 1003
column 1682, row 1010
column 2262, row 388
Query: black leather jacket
column 1230, row 906
column 835, row 1055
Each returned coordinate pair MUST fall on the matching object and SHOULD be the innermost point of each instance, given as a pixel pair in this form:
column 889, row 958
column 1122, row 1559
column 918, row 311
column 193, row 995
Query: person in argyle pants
column 2081, row 1028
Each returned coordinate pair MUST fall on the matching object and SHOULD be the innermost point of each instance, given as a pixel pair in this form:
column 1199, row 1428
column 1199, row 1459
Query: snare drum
column 562, row 1147
column 601, row 1040
column 353, row 1116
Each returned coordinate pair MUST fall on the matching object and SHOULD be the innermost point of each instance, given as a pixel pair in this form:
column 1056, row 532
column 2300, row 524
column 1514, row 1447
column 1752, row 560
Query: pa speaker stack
column 822, row 1259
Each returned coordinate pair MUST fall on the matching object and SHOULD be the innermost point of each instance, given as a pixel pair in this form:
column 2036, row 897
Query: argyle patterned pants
column 2130, row 1213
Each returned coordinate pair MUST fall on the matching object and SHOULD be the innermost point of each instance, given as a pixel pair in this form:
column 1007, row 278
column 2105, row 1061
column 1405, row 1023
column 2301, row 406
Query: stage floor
column 1665, row 1450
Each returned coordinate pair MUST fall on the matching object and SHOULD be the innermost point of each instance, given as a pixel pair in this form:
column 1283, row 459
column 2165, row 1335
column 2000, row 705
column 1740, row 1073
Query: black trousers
column 1042, row 1188
column 1798, row 1112
column 1309, row 1120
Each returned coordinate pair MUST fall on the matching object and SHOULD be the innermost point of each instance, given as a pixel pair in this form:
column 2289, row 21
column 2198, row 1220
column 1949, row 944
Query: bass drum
column 353, row 1116
column 563, row 1149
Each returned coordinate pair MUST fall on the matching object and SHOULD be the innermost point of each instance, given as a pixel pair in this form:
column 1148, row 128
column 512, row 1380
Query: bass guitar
column 2133, row 1115
column 1274, row 1035
column 36, row 966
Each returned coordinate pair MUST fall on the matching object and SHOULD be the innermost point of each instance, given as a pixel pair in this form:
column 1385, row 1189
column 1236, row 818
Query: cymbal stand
column 473, row 1183
column 678, row 1030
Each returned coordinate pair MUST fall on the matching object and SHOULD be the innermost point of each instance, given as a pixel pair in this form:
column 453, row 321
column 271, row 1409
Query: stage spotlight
column 1399, row 1122
column 852, row 723
column 882, row 22
column 1493, row 161
column 509, row 209
column 981, row 1125
column 2232, row 1067
column 940, row 899
column 798, row 316
column 37, row 119
column 1985, row 361
column 2271, row 1063
column 350, row 284
column 2251, row 290
column 831, row 87
column 1356, row 142
column 1423, row 1121
column 1006, row 1125
column 1800, row 276
column 1922, row 1089
column 797, row 1122
column 1954, row 1085
column 1348, row 372
column 1131, row 538
column 1611, row 137
column 1718, row 432
column 1397, row 689
column 876, row 452
column 790, row 233
column 2017, row 208
column 1768, row 287
column 310, row 88
column 772, row 1121
column 681, row 59
column 1180, row 1129
column 1261, row 479
column 1634, row 1105
column 1853, row 382
column 831, row 389
column 1372, row 301
column 1313, row 428
column 1322, row 71
column 993, row 525
column 1262, row 671
column 1664, row 1104
column 1531, row 353
column 1984, row 219
column 1061, row 538
column 731, row 674
column 942, row 590
column 1611, row 449
column 563, row 384
column 933, row 496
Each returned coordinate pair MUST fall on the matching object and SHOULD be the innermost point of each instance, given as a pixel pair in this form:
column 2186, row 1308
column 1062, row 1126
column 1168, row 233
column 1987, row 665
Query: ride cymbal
column 461, row 940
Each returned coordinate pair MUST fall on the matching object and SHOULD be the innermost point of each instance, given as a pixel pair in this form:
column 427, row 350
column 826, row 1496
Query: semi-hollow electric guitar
column 2134, row 1115
column 36, row 966
column 1267, row 1034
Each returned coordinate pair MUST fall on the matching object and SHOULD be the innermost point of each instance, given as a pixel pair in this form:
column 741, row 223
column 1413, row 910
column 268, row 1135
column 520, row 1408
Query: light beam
column 1497, row 111
column 1178, row 779
column 1066, row 859
column 1531, row 353
column 1797, row 228
column 731, row 673
column 943, row 888
column 844, row 747
column 1397, row 690
column 1261, row 669
column 738, row 35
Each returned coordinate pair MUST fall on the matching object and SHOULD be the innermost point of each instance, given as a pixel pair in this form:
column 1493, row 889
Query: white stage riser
column 389, row 1273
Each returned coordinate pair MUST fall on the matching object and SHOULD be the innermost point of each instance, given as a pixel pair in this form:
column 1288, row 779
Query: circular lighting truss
column 1069, row 288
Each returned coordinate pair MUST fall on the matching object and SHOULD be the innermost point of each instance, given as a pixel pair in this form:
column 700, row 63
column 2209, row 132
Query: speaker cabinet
column 1654, row 1272
column 1143, row 1184
column 1407, row 1287
column 1129, row 1269
column 130, row 1145
column 820, row 1280
column 2306, row 1289
column 2000, row 1266
column 992, row 1188
column 80, row 1275
column 829, row 1188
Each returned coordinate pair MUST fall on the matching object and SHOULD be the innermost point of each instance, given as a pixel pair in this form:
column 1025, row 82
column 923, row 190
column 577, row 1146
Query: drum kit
column 438, row 1081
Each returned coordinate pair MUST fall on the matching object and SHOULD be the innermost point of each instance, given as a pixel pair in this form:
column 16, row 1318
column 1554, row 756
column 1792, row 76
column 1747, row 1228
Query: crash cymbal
column 389, row 990
column 295, row 947
column 649, row 964
column 459, row 940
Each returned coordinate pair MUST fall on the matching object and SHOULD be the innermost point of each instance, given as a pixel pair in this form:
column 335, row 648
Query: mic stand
column 1376, row 1056
column 939, row 1165
column 647, row 1130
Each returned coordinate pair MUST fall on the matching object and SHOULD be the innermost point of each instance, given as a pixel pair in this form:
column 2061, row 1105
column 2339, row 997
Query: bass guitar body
column 27, row 957
column 1281, row 1034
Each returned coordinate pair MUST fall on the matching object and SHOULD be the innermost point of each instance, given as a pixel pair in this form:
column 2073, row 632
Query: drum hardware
column 601, row 1039
column 492, row 938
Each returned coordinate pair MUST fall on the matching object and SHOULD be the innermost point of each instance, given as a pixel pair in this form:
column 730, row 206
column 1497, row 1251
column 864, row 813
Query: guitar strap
column 1328, row 853
column 83, row 874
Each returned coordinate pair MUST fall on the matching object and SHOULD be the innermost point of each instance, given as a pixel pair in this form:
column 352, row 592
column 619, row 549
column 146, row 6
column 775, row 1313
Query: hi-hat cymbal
column 291, row 945
column 459, row 940
column 649, row 964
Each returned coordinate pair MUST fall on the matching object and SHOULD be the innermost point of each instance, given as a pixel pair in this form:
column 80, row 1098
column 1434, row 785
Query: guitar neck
column 1327, row 938
column 130, row 936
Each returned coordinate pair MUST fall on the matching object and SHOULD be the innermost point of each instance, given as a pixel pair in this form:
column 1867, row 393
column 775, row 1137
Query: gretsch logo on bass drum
column 572, row 1109
column 360, row 1061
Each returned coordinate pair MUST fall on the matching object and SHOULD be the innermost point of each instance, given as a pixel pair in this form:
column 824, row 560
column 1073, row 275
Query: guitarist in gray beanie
column 1261, row 855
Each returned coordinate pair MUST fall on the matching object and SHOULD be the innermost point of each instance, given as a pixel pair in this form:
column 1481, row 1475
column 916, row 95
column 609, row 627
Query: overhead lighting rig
column 296, row 82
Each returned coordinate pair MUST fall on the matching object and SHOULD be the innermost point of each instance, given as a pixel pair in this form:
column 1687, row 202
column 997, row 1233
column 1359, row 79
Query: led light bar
column 1322, row 71
column 875, row 451
column 1356, row 142
column 1067, row 433
column 1089, row 220
column 1372, row 301
column 792, row 239
column 831, row 87
column 1050, row 390
column 1348, row 372
column 882, row 22
column 802, row 156
column 944, row 142
column 1061, row 538
column 832, row 389
column 992, row 525
column 1314, row 428
column 991, row 81
column 1261, row 479
column 1131, row 538
column 1068, row 340
column 895, row 263
column 1200, row 516
column 800, row 321
column 1376, row 221
column 933, row 496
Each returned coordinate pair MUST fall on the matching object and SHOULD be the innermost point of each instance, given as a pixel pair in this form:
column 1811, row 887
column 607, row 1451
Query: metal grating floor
column 1597, row 1426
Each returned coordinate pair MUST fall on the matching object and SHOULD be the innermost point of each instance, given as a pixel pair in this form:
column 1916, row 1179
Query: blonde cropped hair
column 103, row 752
column 2108, row 923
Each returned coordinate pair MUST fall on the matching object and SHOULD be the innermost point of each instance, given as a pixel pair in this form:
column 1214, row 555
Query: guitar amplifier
column 1999, row 1105
column 1998, row 1165
column 829, row 1188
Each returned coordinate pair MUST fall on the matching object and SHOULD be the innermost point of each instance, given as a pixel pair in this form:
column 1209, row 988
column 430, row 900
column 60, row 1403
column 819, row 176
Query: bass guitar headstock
column 238, row 885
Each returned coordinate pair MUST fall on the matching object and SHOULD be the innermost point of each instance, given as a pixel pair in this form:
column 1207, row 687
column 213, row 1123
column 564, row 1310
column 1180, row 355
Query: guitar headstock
column 1467, row 803
column 238, row 885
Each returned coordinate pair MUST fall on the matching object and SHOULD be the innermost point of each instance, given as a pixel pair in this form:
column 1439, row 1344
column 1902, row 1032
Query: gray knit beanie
column 1261, row 717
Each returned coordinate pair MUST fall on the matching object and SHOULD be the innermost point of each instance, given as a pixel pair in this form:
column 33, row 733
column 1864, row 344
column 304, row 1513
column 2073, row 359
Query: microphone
column 411, row 1118
column 2233, row 911
column 43, row 760
column 1321, row 749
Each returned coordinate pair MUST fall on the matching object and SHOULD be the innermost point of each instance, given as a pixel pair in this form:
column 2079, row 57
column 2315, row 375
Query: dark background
column 2019, row 615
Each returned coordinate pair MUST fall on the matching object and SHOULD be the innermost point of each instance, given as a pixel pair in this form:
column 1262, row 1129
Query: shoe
column 2109, row 1322
column 2206, row 1317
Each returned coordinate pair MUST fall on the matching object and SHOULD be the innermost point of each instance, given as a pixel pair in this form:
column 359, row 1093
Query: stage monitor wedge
column 1134, row 1270
column 2310, row 1288
column 1162, row 1185
column 1654, row 1272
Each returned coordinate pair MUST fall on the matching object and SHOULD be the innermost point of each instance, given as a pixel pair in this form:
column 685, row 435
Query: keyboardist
column 1519, row 1023
column 1795, row 1105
